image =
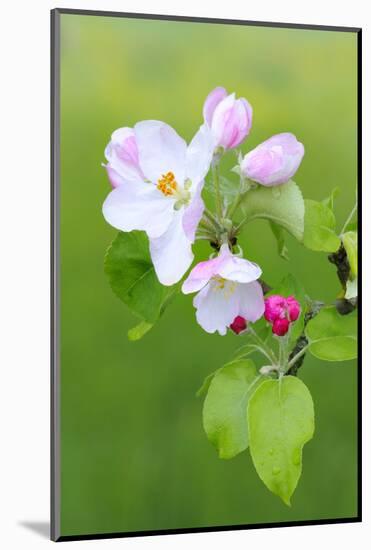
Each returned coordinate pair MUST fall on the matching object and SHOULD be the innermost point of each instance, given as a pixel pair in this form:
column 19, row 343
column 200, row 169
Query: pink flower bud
column 238, row 325
column 293, row 307
column 280, row 327
column 229, row 118
column 274, row 161
column 275, row 308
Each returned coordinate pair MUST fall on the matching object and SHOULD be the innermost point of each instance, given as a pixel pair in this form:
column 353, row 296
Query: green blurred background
column 134, row 455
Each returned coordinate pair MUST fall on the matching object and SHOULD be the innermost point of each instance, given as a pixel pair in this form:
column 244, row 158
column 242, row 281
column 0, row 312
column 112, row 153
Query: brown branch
column 340, row 260
column 302, row 341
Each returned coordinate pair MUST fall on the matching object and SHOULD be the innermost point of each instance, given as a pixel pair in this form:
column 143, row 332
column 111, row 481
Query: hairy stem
column 269, row 353
column 218, row 197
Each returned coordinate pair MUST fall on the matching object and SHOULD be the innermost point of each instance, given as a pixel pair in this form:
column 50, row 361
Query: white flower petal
column 217, row 306
column 212, row 101
column 238, row 269
column 161, row 150
column 222, row 113
column 138, row 205
column 114, row 177
column 172, row 252
column 199, row 155
column 193, row 214
column 251, row 301
column 201, row 275
column 122, row 155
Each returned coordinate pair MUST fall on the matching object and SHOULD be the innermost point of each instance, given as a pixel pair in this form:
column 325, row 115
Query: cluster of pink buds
column 281, row 312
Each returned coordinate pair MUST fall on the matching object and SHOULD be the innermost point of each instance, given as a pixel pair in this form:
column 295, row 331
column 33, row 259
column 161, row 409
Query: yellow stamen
column 220, row 282
column 167, row 184
column 223, row 284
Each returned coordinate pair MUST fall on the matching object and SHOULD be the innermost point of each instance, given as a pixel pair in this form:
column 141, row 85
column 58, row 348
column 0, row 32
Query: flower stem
column 241, row 193
column 235, row 205
column 269, row 353
column 203, row 237
column 211, row 218
column 218, row 197
column 206, row 225
column 238, row 228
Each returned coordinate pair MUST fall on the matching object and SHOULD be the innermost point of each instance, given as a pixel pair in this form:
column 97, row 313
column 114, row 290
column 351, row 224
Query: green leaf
column 353, row 226
column 279, row 233
column 206, row 384
column 283, row 205
column 290, row 286
column 229, row 188
column 132, row 276
column 280, row 419
column 224, row 411
column 331, row 336
column 329, row 201
column 319, row 230
column 137, row 332
column 350, row 244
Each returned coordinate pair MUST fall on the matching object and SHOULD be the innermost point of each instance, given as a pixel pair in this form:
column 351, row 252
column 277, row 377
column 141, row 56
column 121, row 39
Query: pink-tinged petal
column 237, row 269
column 201, row 275
column 172, row 252
column 274, row 161
column 251, row 301
column 239, row 124
column 246, row 117
column 225, row 265
column 193, row 214
column 220, row 125
column 140, row 206
column 199, row 155
column 231, row 121
column 211, row 102
column 161, row 150
column 122, row 154
column 216, row 307
column 125, row 139
column 115, row 179
column 262, row 164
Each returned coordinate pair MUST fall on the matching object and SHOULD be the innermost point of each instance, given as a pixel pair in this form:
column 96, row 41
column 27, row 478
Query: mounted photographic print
column 205, row 192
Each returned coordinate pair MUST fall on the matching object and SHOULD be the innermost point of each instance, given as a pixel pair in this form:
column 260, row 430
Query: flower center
column 167, row 184
column 228, row 287
column 220, row 282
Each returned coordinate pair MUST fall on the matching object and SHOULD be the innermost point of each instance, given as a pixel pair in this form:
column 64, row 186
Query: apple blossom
column 274, row 161
column 157, row 183
column 227, row 287
column 228, row 118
